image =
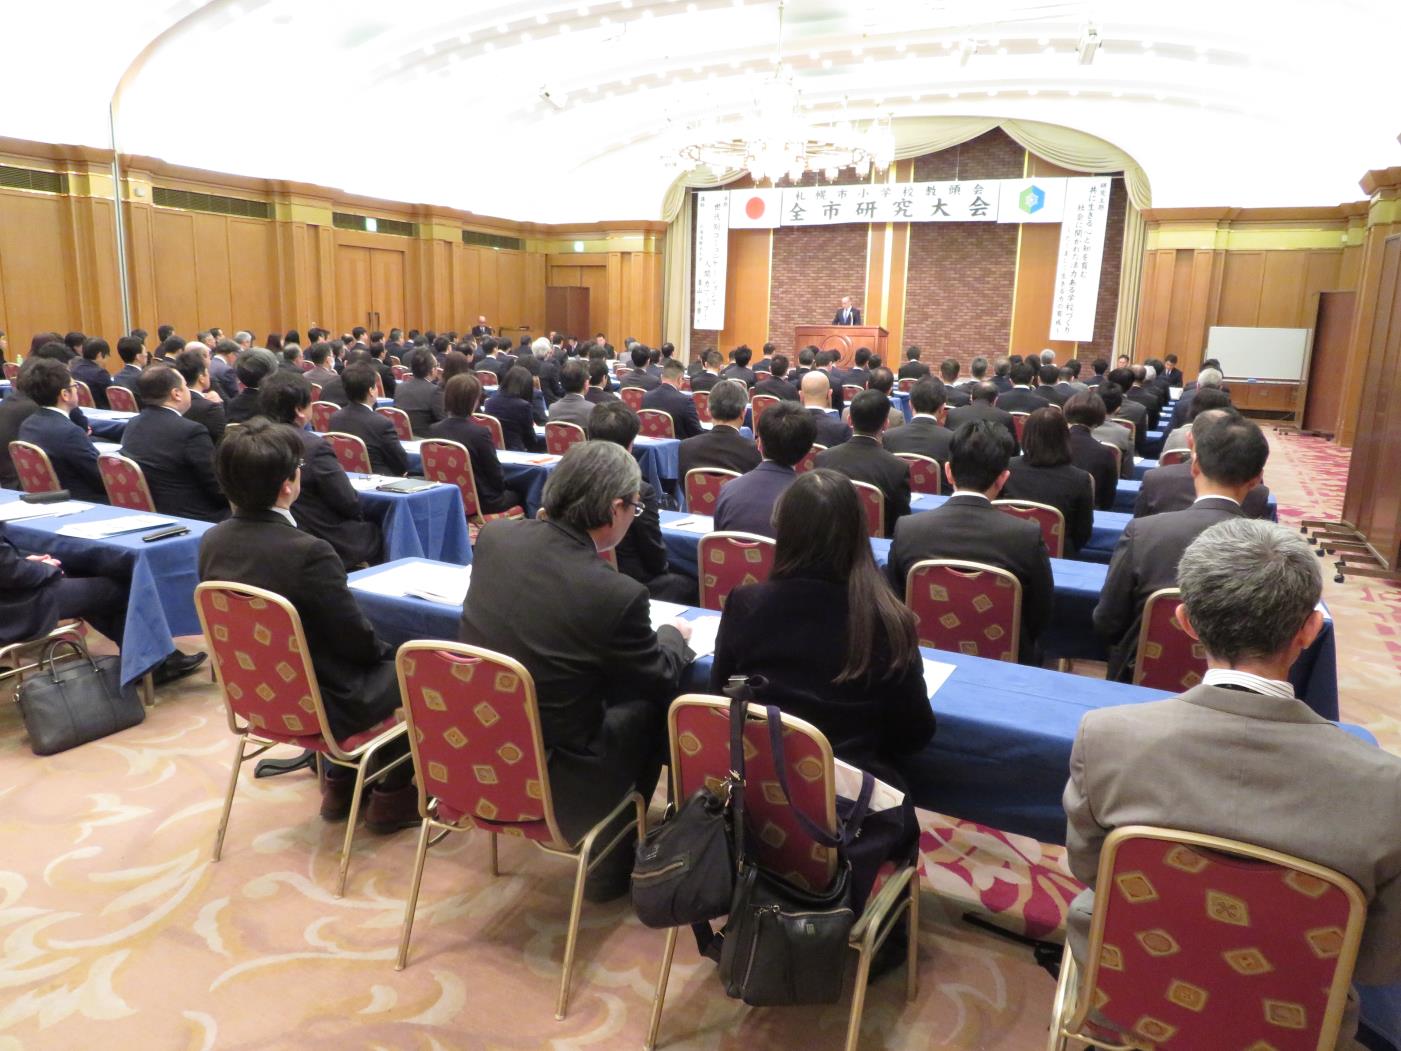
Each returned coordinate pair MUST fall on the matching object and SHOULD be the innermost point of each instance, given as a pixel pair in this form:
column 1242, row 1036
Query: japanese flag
column 755, row 209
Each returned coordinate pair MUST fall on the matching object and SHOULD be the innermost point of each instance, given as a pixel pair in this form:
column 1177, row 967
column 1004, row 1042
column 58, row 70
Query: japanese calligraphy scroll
column 712, row 252
column 1078, row 265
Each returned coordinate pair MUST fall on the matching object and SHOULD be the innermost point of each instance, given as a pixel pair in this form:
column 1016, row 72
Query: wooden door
column 386, row 290
column 567, row 311
column 354, row 298
column 1328, row 360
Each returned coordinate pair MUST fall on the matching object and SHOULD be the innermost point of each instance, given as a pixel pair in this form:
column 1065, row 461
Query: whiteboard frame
column 1296, row 420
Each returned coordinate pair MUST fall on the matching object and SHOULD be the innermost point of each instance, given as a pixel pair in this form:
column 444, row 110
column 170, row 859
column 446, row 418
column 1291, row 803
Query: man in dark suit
column 1002, row 375
column 1172, row 488
column 1230, row 455
column 739, row 368
column 321, row 372
column 710, row 371
column 1131, row 409
column 1084, row 412
column 1099, row 366
column 134, row 358
column 982, row 408
column 925, row 434
column 722, row 446
column 1137, row 393
column 912, row 367
column 252, row 366
column 778, row 384
column 1045, row 389
column 18, row 407
column 175, row 454
column 746, row 504
column 603, row 677
column 847, row 314
column 1065, row 387
column 1021, row 398
column 1207, row 379
column 598, row 391
column 387, row 455
column 830, row 430
column 1171, row 373
column 968, row 527
column 859, row 375
column 71, row 452
column 954, row 397
column 639, row 376
column 573, row 407
column 90, row 370
column 418, row 395
column 668, row 397
column 862, row 459
column 826, row 363
column 481, row 328
column 261, row 546
column 205, row 407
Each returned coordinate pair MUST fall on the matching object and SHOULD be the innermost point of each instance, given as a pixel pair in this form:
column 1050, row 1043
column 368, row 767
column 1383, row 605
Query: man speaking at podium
column 848, row 314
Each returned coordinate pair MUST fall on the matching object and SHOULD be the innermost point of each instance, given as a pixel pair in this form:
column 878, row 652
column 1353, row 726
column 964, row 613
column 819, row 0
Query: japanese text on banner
column 1081, row 255
column 712, row 253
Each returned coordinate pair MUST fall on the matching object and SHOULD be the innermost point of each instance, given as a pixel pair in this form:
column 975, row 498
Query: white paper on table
column 431, row 581
column 666, row 612
column 515, row 456
column 107, row 447
column 936, row 673
column 14, row 512
column 106, row 527
column 1174, row 393
column 109, row 414
column 847, row 781
column 700, row 524
column 412, row 446
column 363, row 483
column 703, row 632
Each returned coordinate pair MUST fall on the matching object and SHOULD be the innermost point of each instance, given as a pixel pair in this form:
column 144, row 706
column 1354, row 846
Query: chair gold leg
column 1060, row 1006
column 495, row 866
column 351, row 818
column 228, row 798
column 572, row 937
column 147, row 690
column 858, row 993
column 663, row 976
column 912, row 961
column 411, row 905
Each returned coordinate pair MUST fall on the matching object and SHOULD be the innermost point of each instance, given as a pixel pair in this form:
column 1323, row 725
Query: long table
column 1127, row 494
column 1108, row 527
column 109, row 424
column 431, row 523
column 1002, row 751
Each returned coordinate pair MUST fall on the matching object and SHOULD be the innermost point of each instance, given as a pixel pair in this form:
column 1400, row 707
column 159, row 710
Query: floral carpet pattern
column 116, row 930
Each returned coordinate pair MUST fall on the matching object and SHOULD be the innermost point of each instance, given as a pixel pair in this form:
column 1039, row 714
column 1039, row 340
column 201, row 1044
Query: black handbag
column 70, row 704
column 684, row 870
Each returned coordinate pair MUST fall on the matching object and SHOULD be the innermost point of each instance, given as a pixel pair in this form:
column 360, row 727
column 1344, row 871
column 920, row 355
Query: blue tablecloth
column 161, row 576
column 1127, row 493
column 1153, row 443
column 1141, row 467
column 1108, row 527
column 431, row 524
column 397, row 619
column 107, row 424
column 527, row 478
column 659, row 459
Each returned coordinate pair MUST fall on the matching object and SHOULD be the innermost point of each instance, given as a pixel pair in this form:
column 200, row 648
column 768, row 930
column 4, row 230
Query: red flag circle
column 754, row 207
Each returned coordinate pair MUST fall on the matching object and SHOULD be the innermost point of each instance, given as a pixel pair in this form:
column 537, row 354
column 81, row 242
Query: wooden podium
column 844, row 339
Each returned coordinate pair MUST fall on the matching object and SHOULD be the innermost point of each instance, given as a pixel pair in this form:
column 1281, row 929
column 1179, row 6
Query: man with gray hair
column 243, row 339
column 1048, row 356
column 1208, row 377
column 603, row 677
column 722, row 446
column 222, row 376
column 1238, row 755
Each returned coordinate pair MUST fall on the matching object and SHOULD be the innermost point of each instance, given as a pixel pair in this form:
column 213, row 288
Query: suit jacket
column 177, row 457
column 739, row 372
column 1117, row 436
column 685, row 420
column 386, row 379
column 981, row 410
column 1066, row 488
column 776, row 387
column 956, row 397
column 847, row 317
column 863, row 460
column 14, row 410
column 354, row 668
column 244, row 406
column 835, row 377
column 597, row 396
column 722, row 447
column 1067, row 390
column 322, row 376
column 831, row 430
column 641, row 553
column 572, row 408
column 387, row 455
column 1020, row 399
column 1173, row 377
column 127, row 378
column 423, row 401
column 70, row 450
column 329, row 508
column 1171, row 488
column 1179, row 411
column 856, row 377
column 517, row 422
column 1145, row 560
column 541, row 594
column 746, row 504
column 1151, row 405
column 1137, row 414
column 209, row 414
column 638, row 378
column 704, row 381
column 1091, row 455
column 1002, row 383
column 967, row 526
column 912, row 370
column 96, row 377
column 923, row 435
column 223, row 378
column 486, row 468
column 1246, row 766
column 28, row 604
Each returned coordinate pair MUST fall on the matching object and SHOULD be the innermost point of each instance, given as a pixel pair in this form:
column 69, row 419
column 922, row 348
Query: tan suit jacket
column 1246, row 766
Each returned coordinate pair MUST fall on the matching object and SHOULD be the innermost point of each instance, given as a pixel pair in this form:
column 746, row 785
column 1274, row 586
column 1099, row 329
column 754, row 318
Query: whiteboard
column 1259, row 353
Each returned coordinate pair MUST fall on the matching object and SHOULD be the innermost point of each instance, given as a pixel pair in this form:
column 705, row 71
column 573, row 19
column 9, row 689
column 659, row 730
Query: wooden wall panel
column 747, row 292
column 176, row 285
column 510, row 306
column 1037, row 254
column 252, row 272
column 39, row 293
column 1282, row 299
column 1242, row 285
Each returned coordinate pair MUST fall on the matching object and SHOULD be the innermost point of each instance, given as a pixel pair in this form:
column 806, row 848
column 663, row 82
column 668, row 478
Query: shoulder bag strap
column 851, row 826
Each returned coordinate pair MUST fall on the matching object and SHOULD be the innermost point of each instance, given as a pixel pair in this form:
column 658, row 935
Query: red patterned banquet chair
column 728, row 560
column 926, row 473
column 966, row 607
column 487, row 377
column 125, row 483
column 560, row 435
column 907, row 384
column 809, row 460
column 1126, row 424
column 703, row 485
column 11, row 371
column 350, row 451
column 493, row 425
column 36, row 472
column 1167, row 657
column 403, row 429
column 1019, row 422
column 758, row 404
column 851, row 390
column 321, row 413
column 449, row 462
column 872, row 502
column 1173, row 456
column 1050, row 519
column 702, row 402
column 316, row 392
column 656, row 424
column 121, row 399
column 1118, row 457
column 632, row 397
column 760, row 376
column 84, row 395
column 480, row 763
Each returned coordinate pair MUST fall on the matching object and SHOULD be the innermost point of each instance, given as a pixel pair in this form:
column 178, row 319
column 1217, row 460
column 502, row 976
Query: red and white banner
column 755, row 209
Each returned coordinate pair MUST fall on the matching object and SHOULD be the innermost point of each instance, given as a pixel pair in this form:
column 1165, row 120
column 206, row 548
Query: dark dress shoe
column 391, row 809
column 177, row 666
column 335, row 797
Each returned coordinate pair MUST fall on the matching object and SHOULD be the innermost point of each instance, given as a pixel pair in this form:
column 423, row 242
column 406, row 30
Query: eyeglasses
column 637, row 507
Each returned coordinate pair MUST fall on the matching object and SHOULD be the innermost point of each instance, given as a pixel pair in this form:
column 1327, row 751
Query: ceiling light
column 826, row 63
column 1073, row 92
column 1002, row 51
column 856, row 51
column 690, row 9
column 1200, row 49
column 646, row 13
column 916, row 98
column 564, row 27
column 1158, row 96
column 1203, row 57
column 525, row 38
column 1042, row 41
column 1031, row 91
column 1116, row 93
column 1048, row 51
column 900, row 47
column 1147, row 45
column 868, row 60
column 814, row 54
column 992, row 94
column 1089, row 44
column 734, row 63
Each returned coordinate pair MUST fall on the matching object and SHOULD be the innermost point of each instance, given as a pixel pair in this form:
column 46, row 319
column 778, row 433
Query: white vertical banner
column 712, row 252
column 1081, row 255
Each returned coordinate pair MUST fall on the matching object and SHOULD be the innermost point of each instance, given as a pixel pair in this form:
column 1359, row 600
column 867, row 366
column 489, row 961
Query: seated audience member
column 1044, row 474
column 1204, row 398
column 912, row 367
column 322, row 370
column 746, row 504
column 292, row 359
column 765, row 362
column 641, row 553
column 982, row 407
column 603, row 677
column 18, row 407
column 1172, row 488
column 418, row 395
column 925, row 434
column 206, row 407
column 1046, row 378
column 175, row 454
column 598, row 391
column 883, row 380
column 722, row 446
column 460, row 398
column 251, row 367
column 1230, row 455
column 573, row 407
column 1099, row 366
column 387, row 455
column 710, row 370
column 639, row 376
column 134, row 358
column 1115, row 434
column 1066, row 387
column 977, row 371
column 831, row 431
column 863, row 459
column 859, row 375
column 1085, row 415
column 1134, row 407
column 670, row 399
column 327, row 506
column 90, row 371
column 836, row 376
column 778, row 384
column 257, row 465
column 71, row 452
column 1172, row 375
column 1238, row 755
column 511, row 404
column 1021, row 398
column 739, row 369
column 864, row 686
column 386, row 372
column 968, row 527
column 1002, row 375
column 223, row 375
column 954, row 395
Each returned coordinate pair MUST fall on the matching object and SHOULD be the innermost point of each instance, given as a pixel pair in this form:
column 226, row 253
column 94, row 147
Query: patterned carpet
column 118, row 932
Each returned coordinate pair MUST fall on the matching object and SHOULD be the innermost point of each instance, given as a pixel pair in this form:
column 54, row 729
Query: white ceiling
column 1231, row 102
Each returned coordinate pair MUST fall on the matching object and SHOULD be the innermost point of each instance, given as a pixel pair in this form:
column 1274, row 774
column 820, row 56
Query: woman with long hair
column 1045, row 473
column 460, row 396
column 512, row 405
